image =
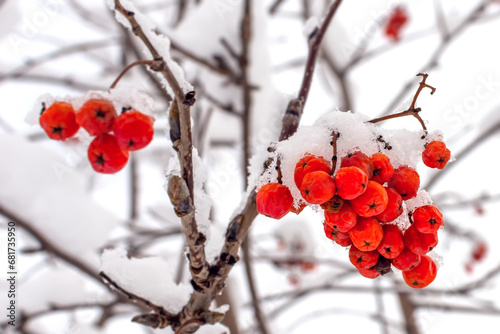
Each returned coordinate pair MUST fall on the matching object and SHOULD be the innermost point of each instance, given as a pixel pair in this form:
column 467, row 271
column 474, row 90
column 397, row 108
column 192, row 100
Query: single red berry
column 436, row 155
column 480, row 251
column 427, row 219
column 420, row 243
column 105, row 155
column 366, row 234
column 406, row 260
column 421, row 275
column 309, row 163
column 382, row 168
column 334, row 234
column 59, row 121
column 395, row 23
column 343, row 220
column 350, row 182
column 392, row 243
column 307, row 266
column 317, row 187
column 372, row 202
column 394, row 206
column 360, row 160
column 96, row 116
column 361, row 259
column 368, row 272
column 405, row 181
column 133, row 129
column 333, row 205
column 274, row 200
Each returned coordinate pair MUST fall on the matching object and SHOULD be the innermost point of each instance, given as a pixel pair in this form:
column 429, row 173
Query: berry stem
column 411, row 111
column 335, row 136
column 139, row 62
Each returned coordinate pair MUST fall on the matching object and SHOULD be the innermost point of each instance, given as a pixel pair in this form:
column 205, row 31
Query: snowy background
column 67, row 47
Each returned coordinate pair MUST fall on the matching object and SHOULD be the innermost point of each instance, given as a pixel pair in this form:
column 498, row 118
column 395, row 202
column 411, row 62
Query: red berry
column 274, row 200
column 427, row 219
column 368, row 272
column 420, row 243
column 96, row 116
column 105, row 155
column 361, row 259
column 343, row 220
column 317, row 187
column 350, row 182
column 392, row 243
column 406, row 260
column 372, row 202
column 58, row 121
column 436, row 155
column 360, row 160
column 133, row 129
column 307, row 164
column 382, row 168
column 334, row 234
column 394, row 206
column 480, row 251
column 405, row 181
column 366, row 234
column 422, row 275
column 395, row 23
column 307, row 266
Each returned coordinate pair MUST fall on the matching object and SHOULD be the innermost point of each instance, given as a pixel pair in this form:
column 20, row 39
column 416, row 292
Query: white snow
column 51, row 196
column 160, row 42
column 150, row 278
column 311, row 24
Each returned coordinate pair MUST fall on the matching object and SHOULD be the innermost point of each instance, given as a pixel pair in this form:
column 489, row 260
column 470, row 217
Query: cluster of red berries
column 361, row 202
column 108, row 152
column 395, row 23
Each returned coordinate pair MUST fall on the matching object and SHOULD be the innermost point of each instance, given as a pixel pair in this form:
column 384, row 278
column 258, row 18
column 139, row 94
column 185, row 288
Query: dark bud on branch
column 178, row 192
column 152, row 320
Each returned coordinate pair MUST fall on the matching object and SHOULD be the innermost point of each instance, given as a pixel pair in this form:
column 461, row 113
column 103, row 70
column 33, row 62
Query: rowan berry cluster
column 114, row 135
column 364, row 209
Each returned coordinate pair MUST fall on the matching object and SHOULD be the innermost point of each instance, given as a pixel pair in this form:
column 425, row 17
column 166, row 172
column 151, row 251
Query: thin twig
column 411, row 111
column 126, row 69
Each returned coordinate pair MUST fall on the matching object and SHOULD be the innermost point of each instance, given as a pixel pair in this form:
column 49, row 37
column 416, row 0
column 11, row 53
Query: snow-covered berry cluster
column 372, row 202
column 114, row 135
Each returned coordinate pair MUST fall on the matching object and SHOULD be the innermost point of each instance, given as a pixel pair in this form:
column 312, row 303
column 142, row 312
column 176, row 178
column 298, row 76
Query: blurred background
column 296, row 280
